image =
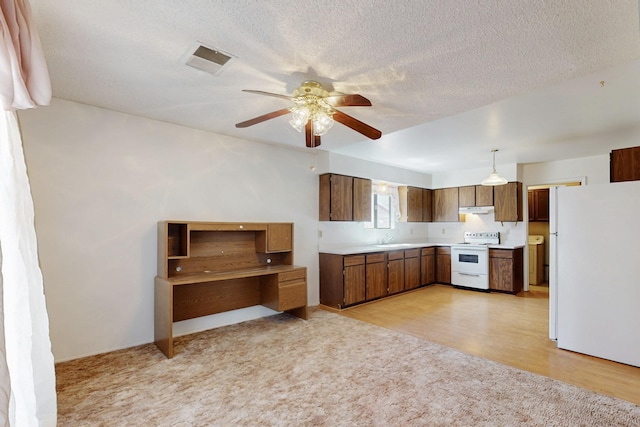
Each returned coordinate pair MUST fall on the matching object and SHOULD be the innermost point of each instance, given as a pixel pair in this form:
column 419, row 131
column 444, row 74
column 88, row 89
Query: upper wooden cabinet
column 344, row 198
column 467, row 196
column 278, row 238
column 625, row 164
column 361, row 199
column 445, row 205
column 508, row 201
column 538, row 201
column 427, row 196
column 418, row 204
column 484, row 195
column 414, row 204
column 475, row 195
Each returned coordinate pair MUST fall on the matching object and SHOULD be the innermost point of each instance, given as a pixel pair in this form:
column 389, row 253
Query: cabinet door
column 354, row 285
column 484, row 195
column 625, row 164
column 361, row 199
column 427, row 196
column 341, row 198
column 443, row 265
column 396, row 276
column 508, row 202
column 414, row 204
column 279, row 237
column 428, row 266
column 501, row 274
column 376, row 280
column 541, row 203
column 506, row 270
column 336, row 198
column 467, row 196
column 412, row 273
column 531, row 205
column 445, row 205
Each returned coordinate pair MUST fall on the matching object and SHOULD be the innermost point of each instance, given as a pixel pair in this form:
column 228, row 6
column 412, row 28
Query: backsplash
column 354, row 233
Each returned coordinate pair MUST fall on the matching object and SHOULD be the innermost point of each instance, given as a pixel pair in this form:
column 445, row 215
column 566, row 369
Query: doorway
column 542, row 241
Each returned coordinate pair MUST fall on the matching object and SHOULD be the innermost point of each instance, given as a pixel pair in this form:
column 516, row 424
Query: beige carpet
column 327, row 371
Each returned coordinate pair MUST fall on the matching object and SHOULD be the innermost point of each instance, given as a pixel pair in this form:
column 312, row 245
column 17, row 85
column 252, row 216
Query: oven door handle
column 469, row 274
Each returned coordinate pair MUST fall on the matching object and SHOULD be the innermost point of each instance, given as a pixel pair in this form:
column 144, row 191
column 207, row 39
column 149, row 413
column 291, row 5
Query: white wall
column 102, row 180
column 458, row 178
column 594, row 169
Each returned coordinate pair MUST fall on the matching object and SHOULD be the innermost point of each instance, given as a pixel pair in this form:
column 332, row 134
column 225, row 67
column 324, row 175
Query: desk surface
column 215, row 276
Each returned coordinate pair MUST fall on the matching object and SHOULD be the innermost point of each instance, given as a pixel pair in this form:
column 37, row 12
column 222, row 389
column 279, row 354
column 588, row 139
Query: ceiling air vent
column 207, row 58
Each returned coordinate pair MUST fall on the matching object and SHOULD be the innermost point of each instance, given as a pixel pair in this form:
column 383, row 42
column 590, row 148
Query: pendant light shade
column 494, row 179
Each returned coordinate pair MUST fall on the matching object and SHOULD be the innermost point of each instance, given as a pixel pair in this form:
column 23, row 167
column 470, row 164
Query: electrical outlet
column 443, row 230
column 319, row 234
column 411, row 231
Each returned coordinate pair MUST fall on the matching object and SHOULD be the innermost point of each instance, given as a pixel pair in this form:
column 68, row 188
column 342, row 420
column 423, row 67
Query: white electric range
column 470, row 260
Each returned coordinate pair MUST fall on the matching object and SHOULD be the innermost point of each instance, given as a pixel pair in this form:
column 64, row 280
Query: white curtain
column 27, row 375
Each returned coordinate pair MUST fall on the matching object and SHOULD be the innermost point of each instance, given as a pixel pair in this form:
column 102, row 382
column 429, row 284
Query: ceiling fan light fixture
column 300, row 116
column 312, row 107
column 322, row 122
column 494, row 179
column 314, row 110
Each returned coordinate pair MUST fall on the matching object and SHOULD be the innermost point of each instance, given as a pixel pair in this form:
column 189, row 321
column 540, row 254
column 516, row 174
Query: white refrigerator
column 597, row 291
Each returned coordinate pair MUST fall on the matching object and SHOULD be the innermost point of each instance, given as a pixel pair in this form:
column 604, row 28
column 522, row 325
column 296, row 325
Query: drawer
column 412, row 253
column 353, row 260
column 375, row 258
column 395, row 255
column 501, row 253
column 445, row 250
column 292, row 295
column 428, row 251
column 297, row 274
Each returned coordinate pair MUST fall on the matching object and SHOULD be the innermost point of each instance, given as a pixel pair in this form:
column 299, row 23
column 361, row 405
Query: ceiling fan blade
column 262, row 118
column 354, row 100
column 357, row 125
column 312, row 140
column 259, row 92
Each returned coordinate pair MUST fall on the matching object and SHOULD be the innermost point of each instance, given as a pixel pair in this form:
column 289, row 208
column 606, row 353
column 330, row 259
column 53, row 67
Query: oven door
column 470, row 266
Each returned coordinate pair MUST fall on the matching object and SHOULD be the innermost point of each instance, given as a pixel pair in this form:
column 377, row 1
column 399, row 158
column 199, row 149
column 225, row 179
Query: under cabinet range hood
column 479, row 210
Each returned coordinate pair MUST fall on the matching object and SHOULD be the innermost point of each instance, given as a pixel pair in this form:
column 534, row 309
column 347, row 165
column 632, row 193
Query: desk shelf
column 208, row 268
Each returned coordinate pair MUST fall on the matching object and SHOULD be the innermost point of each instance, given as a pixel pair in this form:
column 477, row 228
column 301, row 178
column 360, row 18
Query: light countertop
column 370, row 248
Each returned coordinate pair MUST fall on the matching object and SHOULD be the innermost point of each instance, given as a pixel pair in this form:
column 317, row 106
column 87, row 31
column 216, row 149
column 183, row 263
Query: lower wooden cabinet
column 346, row 280
column 412, row 269
column 354, row 276
column 506, row 270
column 342, row 279
column 376, row 276
column 443, row 264
column 428, row 266
column 395, row 277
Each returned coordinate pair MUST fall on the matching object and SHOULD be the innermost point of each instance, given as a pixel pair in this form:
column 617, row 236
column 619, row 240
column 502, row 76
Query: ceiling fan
column 314, row 111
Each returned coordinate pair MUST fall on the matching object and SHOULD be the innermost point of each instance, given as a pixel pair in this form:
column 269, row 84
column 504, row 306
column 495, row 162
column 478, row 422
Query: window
column 381, row 214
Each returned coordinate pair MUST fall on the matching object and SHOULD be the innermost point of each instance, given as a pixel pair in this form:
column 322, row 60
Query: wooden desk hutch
column 211, row 267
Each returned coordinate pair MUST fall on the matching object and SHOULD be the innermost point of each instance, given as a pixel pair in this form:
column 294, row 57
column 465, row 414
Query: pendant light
column 494, row 179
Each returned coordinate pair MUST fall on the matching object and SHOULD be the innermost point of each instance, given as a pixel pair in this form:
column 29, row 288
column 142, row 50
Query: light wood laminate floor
column 508, row 329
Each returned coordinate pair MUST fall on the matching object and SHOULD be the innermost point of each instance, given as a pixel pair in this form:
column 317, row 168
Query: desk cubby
column 206, row 268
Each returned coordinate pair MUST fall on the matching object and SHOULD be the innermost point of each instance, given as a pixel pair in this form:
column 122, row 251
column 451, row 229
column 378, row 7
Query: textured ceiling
column 448, row 79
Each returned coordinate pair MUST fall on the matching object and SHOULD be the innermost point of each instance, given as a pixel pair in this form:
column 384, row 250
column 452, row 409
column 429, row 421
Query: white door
column 553, row 263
